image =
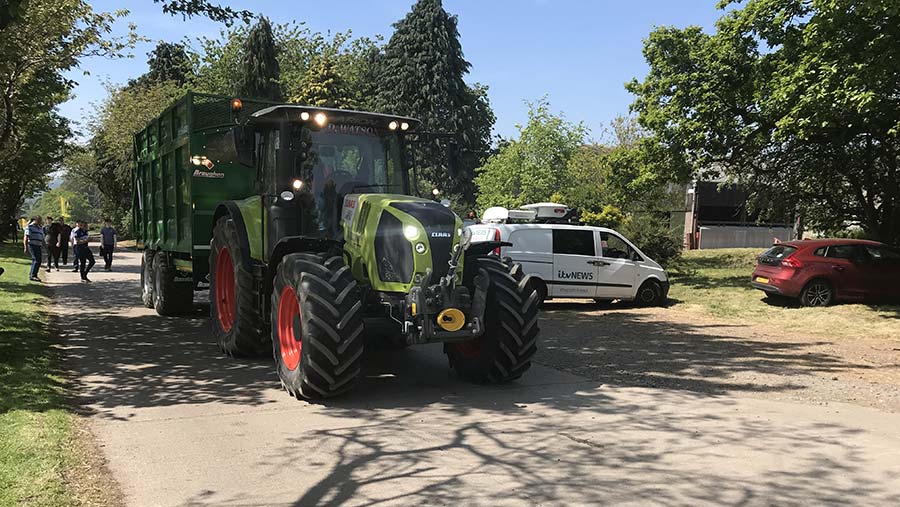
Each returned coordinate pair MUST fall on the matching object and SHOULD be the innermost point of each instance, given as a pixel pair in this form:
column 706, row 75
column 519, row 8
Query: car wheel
column 649, row 294
column 817, row 293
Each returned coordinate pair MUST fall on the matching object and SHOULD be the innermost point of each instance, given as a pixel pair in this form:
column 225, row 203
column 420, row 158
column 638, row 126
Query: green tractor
column 316, row 247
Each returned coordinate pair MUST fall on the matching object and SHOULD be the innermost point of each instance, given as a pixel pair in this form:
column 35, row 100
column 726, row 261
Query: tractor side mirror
column 453, row 159
column 243, row 144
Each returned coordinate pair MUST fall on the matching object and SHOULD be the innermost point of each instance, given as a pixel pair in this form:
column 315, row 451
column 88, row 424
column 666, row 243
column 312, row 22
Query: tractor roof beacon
column 300, row 222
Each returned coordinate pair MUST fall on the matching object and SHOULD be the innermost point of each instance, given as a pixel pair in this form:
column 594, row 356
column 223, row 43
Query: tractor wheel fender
column 230, row 209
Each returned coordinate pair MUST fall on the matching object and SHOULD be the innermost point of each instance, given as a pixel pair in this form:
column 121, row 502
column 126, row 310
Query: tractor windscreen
column 351, row 159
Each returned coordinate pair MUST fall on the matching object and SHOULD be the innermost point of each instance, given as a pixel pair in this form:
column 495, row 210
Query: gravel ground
column 672, row 348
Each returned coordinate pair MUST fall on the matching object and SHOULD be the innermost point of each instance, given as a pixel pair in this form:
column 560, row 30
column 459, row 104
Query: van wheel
column 237, row 325
column 170, row 297
column 649, row 294
column 316, row 325
column 504, row 351
column 817, row 293
column 147, row 278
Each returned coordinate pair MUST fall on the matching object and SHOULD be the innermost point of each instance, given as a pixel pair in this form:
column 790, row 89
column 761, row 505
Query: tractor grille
column 392, row 250
column 439, row 223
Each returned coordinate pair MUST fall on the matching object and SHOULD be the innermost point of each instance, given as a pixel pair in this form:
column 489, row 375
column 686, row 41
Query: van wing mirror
column 243, row 144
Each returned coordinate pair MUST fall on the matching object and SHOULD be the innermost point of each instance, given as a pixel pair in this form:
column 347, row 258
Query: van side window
column 573, row 242
column 614, row 247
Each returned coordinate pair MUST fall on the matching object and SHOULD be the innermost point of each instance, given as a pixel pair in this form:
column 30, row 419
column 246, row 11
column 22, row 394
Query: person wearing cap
column 34, row 243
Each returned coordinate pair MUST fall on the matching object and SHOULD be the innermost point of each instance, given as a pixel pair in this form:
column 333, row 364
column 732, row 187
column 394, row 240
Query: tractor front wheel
column 316, row 325
column 504, row 351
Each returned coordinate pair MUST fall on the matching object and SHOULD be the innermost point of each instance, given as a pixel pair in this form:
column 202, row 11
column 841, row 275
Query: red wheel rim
column 226, row 303
column 288, row 320
column 469, row 349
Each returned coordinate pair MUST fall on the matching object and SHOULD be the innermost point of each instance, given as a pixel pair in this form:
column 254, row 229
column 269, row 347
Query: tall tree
column 533, row 167
column 168, row 62
column 49, row 38
column 213, row 11
column 260, row 73
column 798, row 98
column 422, row 75
column 324, row 86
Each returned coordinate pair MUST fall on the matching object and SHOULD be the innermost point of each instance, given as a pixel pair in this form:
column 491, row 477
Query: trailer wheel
column 504, row 351
column 236, row 322
column 316, row 325
column 169, row 297
column 147, row 278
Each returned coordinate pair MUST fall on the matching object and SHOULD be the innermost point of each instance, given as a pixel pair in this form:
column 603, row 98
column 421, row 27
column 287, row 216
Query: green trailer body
column 175, row 198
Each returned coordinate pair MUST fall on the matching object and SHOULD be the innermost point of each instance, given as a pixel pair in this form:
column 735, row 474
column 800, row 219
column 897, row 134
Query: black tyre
column 504, row 351
column 650, row 293
column 817, row 293
column 541, row 287
column 237, row 325
column 147, row 278
column 170, row 297
column 316, row 325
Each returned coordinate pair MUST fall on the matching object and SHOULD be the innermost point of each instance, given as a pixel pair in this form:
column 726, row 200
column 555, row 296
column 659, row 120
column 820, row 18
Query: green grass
column 36, row 429
column 717, row 283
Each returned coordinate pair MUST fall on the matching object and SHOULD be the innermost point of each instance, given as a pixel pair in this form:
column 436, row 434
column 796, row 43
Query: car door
column 844, row 271
column 882, row 271
column 617, row 270
column 574, row 263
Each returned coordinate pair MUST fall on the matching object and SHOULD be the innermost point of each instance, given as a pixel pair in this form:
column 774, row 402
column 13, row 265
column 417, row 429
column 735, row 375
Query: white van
column 571, row 260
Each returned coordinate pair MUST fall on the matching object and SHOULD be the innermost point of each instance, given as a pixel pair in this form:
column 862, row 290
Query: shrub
column 653, row 235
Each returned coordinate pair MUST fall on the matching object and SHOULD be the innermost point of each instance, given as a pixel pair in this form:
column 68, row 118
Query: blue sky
column 578, row 52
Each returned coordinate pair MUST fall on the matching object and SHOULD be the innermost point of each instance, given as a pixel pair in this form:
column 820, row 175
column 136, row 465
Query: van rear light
column 791, row 262
column 497, row 238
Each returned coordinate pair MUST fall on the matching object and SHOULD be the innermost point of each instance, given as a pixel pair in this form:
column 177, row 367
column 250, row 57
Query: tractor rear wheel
column 316, row 325
column 237, row 325
column 147, row 278
column 504, row 351
column 169, row 296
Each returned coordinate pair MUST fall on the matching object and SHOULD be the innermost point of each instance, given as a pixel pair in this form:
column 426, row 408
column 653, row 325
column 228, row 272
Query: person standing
column 52, row 237
column 83, row 250
column 107, row 243
column 74, row 247
column 34, row 243
column 65, row 238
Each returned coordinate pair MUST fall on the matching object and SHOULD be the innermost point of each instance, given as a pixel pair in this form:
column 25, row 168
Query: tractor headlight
column 411, row 232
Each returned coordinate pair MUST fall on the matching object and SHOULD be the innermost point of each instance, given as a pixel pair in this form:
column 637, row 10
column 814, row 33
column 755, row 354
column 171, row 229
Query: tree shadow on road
column 629, row 347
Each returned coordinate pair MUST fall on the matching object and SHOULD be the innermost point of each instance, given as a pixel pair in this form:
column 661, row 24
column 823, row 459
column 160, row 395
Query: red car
column 818, row 272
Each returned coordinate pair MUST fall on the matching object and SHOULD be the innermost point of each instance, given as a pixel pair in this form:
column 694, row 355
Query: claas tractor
column 317, row 247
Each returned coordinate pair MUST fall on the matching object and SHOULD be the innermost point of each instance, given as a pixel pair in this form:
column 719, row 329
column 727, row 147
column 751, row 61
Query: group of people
column 57, row 236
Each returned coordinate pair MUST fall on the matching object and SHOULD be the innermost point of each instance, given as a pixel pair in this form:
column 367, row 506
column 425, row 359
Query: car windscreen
column 773, row 256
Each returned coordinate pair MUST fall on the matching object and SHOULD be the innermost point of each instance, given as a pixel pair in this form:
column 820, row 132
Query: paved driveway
column 182, row 425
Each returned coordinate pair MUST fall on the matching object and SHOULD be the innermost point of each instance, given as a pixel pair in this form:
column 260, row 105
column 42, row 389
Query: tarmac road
column 180, row 424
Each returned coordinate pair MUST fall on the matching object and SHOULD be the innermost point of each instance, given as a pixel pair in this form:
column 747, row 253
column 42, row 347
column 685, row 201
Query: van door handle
column 837, row 268
column 598, row 263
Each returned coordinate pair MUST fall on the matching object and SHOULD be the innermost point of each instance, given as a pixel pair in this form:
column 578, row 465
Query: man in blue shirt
column 34, row 243
column 83, row 251
column 107, row 243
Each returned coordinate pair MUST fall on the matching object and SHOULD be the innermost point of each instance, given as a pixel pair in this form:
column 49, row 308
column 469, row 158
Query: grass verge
column 40, row 439
column 717, row 282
